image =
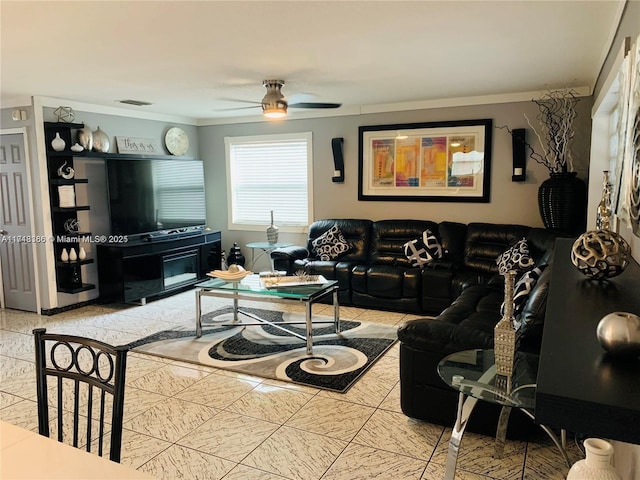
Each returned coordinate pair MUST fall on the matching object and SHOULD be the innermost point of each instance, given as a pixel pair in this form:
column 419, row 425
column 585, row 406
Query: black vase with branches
column 562, row 198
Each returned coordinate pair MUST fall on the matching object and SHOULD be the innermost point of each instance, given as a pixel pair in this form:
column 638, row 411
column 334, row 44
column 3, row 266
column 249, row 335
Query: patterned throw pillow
column 331, row 244
column 423, row 251
column 515, row 257
column 521, row 292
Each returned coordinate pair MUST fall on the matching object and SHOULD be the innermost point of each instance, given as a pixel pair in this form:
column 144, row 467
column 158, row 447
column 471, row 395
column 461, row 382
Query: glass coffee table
column 252, row 288
column 473, row 374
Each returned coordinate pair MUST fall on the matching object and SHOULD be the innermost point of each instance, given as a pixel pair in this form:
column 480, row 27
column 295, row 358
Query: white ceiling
column 189, row 58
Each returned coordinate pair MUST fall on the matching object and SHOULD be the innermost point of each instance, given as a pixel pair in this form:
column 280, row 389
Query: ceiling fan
column 274, row 103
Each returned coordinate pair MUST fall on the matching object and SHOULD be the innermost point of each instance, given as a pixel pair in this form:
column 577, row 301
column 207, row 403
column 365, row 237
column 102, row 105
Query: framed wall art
column 430, row 162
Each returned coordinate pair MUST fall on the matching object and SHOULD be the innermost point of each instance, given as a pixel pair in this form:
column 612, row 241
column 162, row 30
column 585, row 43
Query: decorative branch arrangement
column 557, row 111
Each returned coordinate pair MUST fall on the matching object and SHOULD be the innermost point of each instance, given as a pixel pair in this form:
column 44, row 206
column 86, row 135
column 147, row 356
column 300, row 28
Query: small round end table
column 267, row 248
column 473, row 374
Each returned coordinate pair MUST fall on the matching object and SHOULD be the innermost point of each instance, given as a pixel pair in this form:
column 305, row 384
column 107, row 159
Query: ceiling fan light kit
column 275, row 105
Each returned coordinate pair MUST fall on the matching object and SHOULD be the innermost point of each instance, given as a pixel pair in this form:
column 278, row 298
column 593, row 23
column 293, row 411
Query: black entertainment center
column 157, row 220
column 156, row 264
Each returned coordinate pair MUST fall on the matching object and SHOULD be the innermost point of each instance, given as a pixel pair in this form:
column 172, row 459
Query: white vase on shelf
column 64, row 256
column 82, row 254
column 57, row 143
column 597, row 464
column 73, row 256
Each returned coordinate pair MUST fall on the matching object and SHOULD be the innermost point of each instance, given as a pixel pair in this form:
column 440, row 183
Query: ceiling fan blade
column 314, row 105
column 234, row 108
column 238, row 100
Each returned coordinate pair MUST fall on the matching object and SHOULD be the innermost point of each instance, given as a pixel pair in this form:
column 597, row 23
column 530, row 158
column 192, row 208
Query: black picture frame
column 448, row 161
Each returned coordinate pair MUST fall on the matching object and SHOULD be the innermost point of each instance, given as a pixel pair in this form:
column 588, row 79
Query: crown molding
column 119, row 111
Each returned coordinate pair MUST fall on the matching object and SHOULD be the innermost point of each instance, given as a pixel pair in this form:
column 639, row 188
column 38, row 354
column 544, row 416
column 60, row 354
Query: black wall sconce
column 338, row 161
column 518, row 139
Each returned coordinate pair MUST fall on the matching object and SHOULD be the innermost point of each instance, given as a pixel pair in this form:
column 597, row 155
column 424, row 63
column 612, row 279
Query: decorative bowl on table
column 234, row 274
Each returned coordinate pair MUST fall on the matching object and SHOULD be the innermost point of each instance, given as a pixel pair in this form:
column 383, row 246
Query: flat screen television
column 155, row 195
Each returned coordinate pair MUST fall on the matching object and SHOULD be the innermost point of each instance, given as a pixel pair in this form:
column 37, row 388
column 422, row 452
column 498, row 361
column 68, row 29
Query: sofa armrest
column 294, row 252
column 284, row 258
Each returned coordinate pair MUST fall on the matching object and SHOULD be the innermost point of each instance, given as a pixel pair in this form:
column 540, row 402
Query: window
column 269, row 172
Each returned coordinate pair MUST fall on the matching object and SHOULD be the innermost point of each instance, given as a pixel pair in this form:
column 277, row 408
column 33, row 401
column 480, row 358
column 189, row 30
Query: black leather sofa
column 375, row 273
column 463, row 289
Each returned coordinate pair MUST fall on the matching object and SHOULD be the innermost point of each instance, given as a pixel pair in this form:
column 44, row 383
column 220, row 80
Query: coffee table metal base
column 236, row 296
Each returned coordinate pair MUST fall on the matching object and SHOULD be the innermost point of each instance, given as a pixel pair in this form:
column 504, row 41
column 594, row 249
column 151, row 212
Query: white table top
column 27, row 455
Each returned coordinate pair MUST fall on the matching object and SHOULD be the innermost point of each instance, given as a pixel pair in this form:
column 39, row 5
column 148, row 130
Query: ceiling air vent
column 137, row 103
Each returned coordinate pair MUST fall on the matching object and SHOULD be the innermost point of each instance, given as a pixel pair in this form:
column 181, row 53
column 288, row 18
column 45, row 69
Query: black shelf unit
column 81, row 288
column 71, row 209
column 72, row 264
column 68, row 274
column 71, row 181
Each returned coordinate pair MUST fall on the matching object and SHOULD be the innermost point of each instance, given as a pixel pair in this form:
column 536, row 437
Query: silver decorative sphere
column 600, row 254
column 619, row 333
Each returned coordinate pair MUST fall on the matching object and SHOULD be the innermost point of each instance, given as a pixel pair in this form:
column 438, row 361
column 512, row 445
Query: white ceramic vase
column 57, row 143
column 82, row 254
column 597, row 464
column 64, row 256
column 73, row 256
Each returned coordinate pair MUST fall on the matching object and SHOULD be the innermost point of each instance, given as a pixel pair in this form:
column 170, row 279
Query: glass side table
column 473, row 374
column 267, row 248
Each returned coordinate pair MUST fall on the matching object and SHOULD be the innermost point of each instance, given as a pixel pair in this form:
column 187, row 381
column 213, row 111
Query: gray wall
column 510, row 202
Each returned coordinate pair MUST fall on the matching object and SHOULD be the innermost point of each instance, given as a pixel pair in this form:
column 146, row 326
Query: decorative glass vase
column 597, row 464
column 272, row 231
column 504, row 333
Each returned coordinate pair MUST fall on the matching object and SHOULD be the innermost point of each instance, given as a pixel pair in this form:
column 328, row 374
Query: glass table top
column 473, row 372
column 253, row 284
column 268, row 246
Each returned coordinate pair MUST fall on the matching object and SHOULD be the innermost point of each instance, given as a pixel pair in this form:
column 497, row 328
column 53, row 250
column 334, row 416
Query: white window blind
column 179, row 191
column 269, row 172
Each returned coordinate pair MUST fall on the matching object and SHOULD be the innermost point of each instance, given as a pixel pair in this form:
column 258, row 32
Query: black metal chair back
column 89, row 375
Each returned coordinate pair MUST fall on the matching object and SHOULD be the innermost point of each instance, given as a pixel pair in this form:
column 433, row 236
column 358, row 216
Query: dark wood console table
column 580, row 388
column 132, row 271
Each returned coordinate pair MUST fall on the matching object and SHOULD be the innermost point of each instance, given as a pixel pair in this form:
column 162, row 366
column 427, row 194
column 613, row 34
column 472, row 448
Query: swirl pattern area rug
column 338, row 360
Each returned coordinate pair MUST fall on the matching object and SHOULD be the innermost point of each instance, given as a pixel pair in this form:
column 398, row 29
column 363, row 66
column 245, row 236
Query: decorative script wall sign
column 137, row 145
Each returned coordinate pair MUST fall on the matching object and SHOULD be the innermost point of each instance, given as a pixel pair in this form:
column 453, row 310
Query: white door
column 16, row 249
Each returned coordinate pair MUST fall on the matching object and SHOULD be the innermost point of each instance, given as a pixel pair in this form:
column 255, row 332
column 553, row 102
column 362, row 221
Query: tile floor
column 184, row 421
